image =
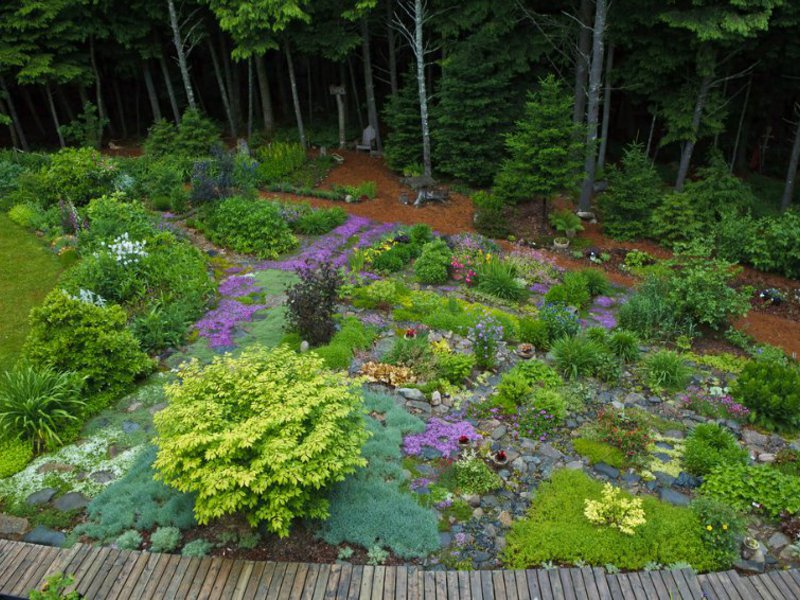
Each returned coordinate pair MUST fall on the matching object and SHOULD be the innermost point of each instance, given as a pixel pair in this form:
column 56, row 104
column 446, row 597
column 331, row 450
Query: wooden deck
column 103, row 574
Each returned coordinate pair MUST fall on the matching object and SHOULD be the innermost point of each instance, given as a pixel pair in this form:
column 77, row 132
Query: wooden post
column 339, row 92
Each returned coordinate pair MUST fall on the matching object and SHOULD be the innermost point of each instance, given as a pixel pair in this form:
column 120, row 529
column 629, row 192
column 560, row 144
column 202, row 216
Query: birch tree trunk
column 151, row 91
column 266, row 100
column 392, row 46
column 419, row 51
column 250, row 98
column 98, row 85
column 791, row 173
column 582, row 61
column 298, row 112
column 735, row 152
column 369, row 83
column 593, row 108
column 173, row 100
column 12, row 112
column 222, row 91
column 184, row 68
column 688, row 147
column 601, row 158
column 54, row 114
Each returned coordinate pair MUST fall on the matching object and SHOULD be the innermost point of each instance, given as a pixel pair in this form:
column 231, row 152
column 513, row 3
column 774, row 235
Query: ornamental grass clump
column 262, row 435
column 615, row 510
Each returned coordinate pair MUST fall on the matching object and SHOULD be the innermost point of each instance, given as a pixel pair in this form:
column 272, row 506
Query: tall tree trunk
column 419, row 52
column 16, row 124
column 250, row 98
column 266, row 100
column 650, row 135
column 62, row 98
column 176, row 39
column 173, row 100
column 356, row 99
column 231, row 81
column 222, row 91
column 688, row 146
column 12, row 129
column 369, row 83
column 392, row 46
column 151, row 90
column 582, row 61
column 601, row 158
column 33, row 110
column 298, row 112
column 791, row 173
column 735, row 152
column 120, row 108
column 593, row 110
column 310, row 87
column 98, row 85
column 54, row 114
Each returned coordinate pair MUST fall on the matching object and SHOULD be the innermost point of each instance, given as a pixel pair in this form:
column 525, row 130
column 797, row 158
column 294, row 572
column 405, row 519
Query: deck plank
column 510, row 584
column 534, row 589
column 288, row 581
column 578, row 585
column 277, row 580
column 354, row 587
column 366, row 581
column 138, row 583
column 487, row 587
column 475, row 588
column 390, row 584
column 112, row 563
column 440, row 585
column 322, row 582
column 590, row 585
column 781, row 585
column 566, row 583
column 14, row 562
column 333, row 582
column 378, row 580
column 310, row 582
column 429, row 585
column 29, row 579
column 184, row 574
column 683, row 585
column 602, row 583
column 522, row 585
column 401, row 583
column 160, row 571
column 415, row 590
column 764, row 591
column 88, row 570
column 790, row 582
column 116, row 575
column 555, row 583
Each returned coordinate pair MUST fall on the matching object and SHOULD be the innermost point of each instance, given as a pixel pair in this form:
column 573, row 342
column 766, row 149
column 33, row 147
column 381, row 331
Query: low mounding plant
column 499, row 278
column 771, row 390
column 650, row 313
column 565, row 221
column 573, row 291
column 666, row 369
column 433, row 262
column 311, row 302
column 577, row 356
column 624, row 345
column 71, row 334
column 723, row 528
column 615, row 509
column 262, row 435
column 710, row 445
column 760, row 489
column 14, row 455
column 35, row 404
column 559, row 320
column 165, row 539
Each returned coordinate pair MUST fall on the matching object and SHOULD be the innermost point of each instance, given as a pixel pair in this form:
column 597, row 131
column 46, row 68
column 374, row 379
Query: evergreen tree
column 403, row 147
column 545, row 148
column 475, row 101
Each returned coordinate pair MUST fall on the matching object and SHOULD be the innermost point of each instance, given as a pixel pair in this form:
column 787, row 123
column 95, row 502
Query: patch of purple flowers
column 604, row 318
column 706, row 404
column 540, row 288
column 217, row 326
column 238, row 286
column 604, row 302
column 442, row 436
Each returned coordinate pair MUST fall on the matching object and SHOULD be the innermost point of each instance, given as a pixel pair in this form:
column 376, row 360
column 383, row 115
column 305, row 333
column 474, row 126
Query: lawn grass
column 28, row 271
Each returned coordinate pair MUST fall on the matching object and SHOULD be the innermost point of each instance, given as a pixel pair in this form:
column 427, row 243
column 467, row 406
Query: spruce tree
column 403, row 145
column 545, row 147
column 475, row 101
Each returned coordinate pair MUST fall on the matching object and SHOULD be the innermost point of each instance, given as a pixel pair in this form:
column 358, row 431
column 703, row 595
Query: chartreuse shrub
column 77, row 175
column 709, row 445
column 249, row 227
column 14, row 455
column 137, row 502
column 599, row 452
column 433, row 263
column 771, row 390
column 759, row 489
column 615, row 509
column 370, row 507
column 352, row 335
column 73, row 334
column 278, row 160
column 557, row 529
column 260, row 435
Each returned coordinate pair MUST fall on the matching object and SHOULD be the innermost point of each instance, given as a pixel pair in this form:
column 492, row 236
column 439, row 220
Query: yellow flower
column 725, row 526
column 709, row 527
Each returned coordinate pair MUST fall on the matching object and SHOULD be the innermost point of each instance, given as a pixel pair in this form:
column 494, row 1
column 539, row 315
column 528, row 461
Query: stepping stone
column 672, row 497
column 12, row 526
column 41, row 497
column 606, row 470
column 102, row 476
column 45, row 537
column 550, row 452
column 55, row 467
column 411, row 394
column 71, row 501
column 130, row 427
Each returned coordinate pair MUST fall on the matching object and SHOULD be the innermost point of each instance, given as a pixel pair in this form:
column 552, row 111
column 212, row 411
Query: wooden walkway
column 104, row 574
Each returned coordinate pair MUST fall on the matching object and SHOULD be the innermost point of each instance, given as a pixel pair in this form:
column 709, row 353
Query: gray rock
column 766, row 457
column 436, row 398
column 411, row 394
column 134, row 407
column 550, row 452
column 574, row 465
column 55, row 467
column 445, row 539
column 102, row 476
column 423, row 407
column 505, row 518
column 12, row 526
column 45, row 537
column 618, row 405
column 754, row 438
column 157, row 408
column 474, row 500
column 778, row 540
column 489, row 502
column 634, row 398
column 675, row 433
column 519, row 465
column 499, row 432
column 606, row 470
column 672, row 497
column 748, row 566
column 71, row 501
column 665, row 479
column 304, row 346
column 130, row 427
column 41, row 497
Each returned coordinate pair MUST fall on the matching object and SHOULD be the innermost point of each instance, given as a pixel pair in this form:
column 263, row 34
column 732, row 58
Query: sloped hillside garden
column 236, row 373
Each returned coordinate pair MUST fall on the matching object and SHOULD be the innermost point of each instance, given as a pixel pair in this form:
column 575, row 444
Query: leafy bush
column 36, row 403
column 433, row 262
column 197, row 549
column 560, row 321
column 624, row 345
column 160, row 139
column 278, row 428
column 278, row 160
column 14, row 455
column 55, row 589
column 710, row 445
column 776, row 245
column 534, row 332
column 165, row 539
column 756, row 488
column 615, row 509
column 577, row 356
column 666, row 369
column 573, row 291
column 249, row 227
column 626, row 431
column 70, row 334
column 474, row 477
column 319, row 221
column 678, row 219
column 634, row 190
column 9, row 172
column 490, row 219
column 723, row 529
column 565, row 221
column 596, row 282
column 78, row 175
column 196, row 135
column 311, row 302
column 552, row 402
column 353, row 335
column 129, row 540
column 499, row 278
column 111, row 216
column 453, row 367
column 86, row 129
column 771, row 390
column 23, row 214
column 651, row 313
column 557, row 530
column 161, row 182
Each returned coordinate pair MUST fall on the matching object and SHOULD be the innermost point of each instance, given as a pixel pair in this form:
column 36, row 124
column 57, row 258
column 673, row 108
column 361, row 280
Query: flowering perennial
column 218, row 325
column 442, row 436
column 485, row 337
column 126, row 251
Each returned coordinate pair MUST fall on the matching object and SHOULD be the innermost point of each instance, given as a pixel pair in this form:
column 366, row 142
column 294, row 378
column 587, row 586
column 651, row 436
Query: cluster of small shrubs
column 771, row 390
column 393, row 254
column 595, row 353
column 193, row 137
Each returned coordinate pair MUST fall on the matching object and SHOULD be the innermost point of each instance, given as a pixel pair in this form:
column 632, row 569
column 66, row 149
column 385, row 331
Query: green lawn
column 28, row 271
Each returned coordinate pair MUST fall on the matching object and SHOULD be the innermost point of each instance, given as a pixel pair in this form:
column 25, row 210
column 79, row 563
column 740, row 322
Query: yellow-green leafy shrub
column 260, row 435
column 614, row 509
column 14, row 455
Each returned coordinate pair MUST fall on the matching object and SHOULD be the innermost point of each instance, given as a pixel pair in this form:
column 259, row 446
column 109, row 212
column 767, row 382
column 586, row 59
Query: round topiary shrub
column 432, row 264
column 262, row 435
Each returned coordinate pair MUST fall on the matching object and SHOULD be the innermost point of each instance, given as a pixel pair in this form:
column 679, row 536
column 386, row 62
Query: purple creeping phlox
column 604, row 318
column 218, row 325
column 604, row 302
column 711, row 405
column 238, row 286
column 442, row 436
